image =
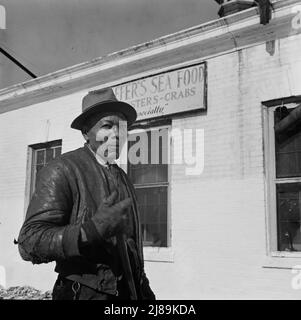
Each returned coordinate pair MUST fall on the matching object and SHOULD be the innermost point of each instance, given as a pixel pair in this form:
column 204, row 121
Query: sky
column 48, row 35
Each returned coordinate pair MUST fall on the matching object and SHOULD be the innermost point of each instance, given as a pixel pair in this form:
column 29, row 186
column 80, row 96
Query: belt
column 93, row 282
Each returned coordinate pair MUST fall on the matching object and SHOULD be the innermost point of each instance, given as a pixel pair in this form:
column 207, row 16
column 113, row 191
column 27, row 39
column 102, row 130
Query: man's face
column 108, row 136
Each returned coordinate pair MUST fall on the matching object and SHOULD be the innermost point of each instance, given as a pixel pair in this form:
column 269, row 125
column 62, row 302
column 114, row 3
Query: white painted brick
column 217, row 218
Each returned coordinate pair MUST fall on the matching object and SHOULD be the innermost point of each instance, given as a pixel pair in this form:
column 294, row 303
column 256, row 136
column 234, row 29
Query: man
column 83, row 213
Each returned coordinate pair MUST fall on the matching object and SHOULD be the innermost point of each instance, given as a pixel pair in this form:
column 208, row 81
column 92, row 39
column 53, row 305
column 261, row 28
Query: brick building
column 231, row 230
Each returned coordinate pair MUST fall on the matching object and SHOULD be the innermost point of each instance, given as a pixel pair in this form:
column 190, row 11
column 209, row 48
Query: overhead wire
column 17, row 62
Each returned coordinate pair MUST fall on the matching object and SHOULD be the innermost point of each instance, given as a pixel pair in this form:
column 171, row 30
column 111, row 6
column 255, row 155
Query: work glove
column 108, row 221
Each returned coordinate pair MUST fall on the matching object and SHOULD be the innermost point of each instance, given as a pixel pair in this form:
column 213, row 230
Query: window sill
column 283, row 260
column 158, row 254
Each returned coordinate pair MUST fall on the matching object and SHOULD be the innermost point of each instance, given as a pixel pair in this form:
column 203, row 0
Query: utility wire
column 19, row 57
column 19, row 64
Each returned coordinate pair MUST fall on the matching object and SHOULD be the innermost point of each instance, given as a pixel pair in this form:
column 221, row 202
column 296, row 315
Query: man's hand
column 109, row 218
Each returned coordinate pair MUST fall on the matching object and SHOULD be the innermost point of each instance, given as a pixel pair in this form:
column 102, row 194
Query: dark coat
column 68, row 192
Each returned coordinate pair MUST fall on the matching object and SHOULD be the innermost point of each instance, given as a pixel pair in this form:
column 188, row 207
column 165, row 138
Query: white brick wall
column 218, row 218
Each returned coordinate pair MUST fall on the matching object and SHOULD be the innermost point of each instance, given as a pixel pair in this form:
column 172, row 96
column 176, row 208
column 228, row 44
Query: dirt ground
column 23, row 293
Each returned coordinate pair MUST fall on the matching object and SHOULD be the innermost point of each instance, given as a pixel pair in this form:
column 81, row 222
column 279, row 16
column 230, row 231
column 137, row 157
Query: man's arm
column 46, row 234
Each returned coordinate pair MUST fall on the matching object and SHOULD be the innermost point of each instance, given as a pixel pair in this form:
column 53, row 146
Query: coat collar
column 97, row 157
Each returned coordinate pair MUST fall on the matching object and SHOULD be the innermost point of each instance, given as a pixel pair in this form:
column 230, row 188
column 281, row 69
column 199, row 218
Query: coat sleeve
column 145, row 289
column 46, row 234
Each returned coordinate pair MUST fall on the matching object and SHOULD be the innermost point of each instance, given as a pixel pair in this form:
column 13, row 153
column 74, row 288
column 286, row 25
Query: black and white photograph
column 150, row 151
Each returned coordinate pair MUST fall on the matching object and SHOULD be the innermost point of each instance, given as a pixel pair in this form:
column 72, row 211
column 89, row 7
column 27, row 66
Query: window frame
column 31, row 160
column 271, row 182
column 159, row 254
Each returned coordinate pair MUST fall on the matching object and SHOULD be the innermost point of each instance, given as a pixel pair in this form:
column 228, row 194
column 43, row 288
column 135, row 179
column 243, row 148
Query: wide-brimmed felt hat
column 103, row 101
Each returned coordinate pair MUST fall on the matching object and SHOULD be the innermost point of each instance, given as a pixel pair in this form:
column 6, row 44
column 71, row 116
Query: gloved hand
column 108, row 220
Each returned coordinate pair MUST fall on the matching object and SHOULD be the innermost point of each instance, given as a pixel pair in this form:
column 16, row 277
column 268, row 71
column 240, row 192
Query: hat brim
column 124, row 108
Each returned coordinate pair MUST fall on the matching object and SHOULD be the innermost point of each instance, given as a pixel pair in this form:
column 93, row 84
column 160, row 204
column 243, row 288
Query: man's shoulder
column 68, row 159
column 73, row 154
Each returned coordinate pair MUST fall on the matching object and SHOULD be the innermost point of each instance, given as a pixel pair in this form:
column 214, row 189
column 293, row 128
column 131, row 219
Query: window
column 149, row 174
column 285, row 177
column 42, row 153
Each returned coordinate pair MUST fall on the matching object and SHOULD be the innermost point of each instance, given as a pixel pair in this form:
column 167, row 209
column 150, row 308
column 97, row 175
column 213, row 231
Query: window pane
column 152, row 203
column 288, row 147
column 57, row 151
column 39, row 167
column 288, row 212
column 49, row 154
column 156, row 169
column 143, row 174
column 40, row 156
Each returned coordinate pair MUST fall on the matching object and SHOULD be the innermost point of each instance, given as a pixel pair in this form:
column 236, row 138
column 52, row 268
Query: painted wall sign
column 166, row 93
